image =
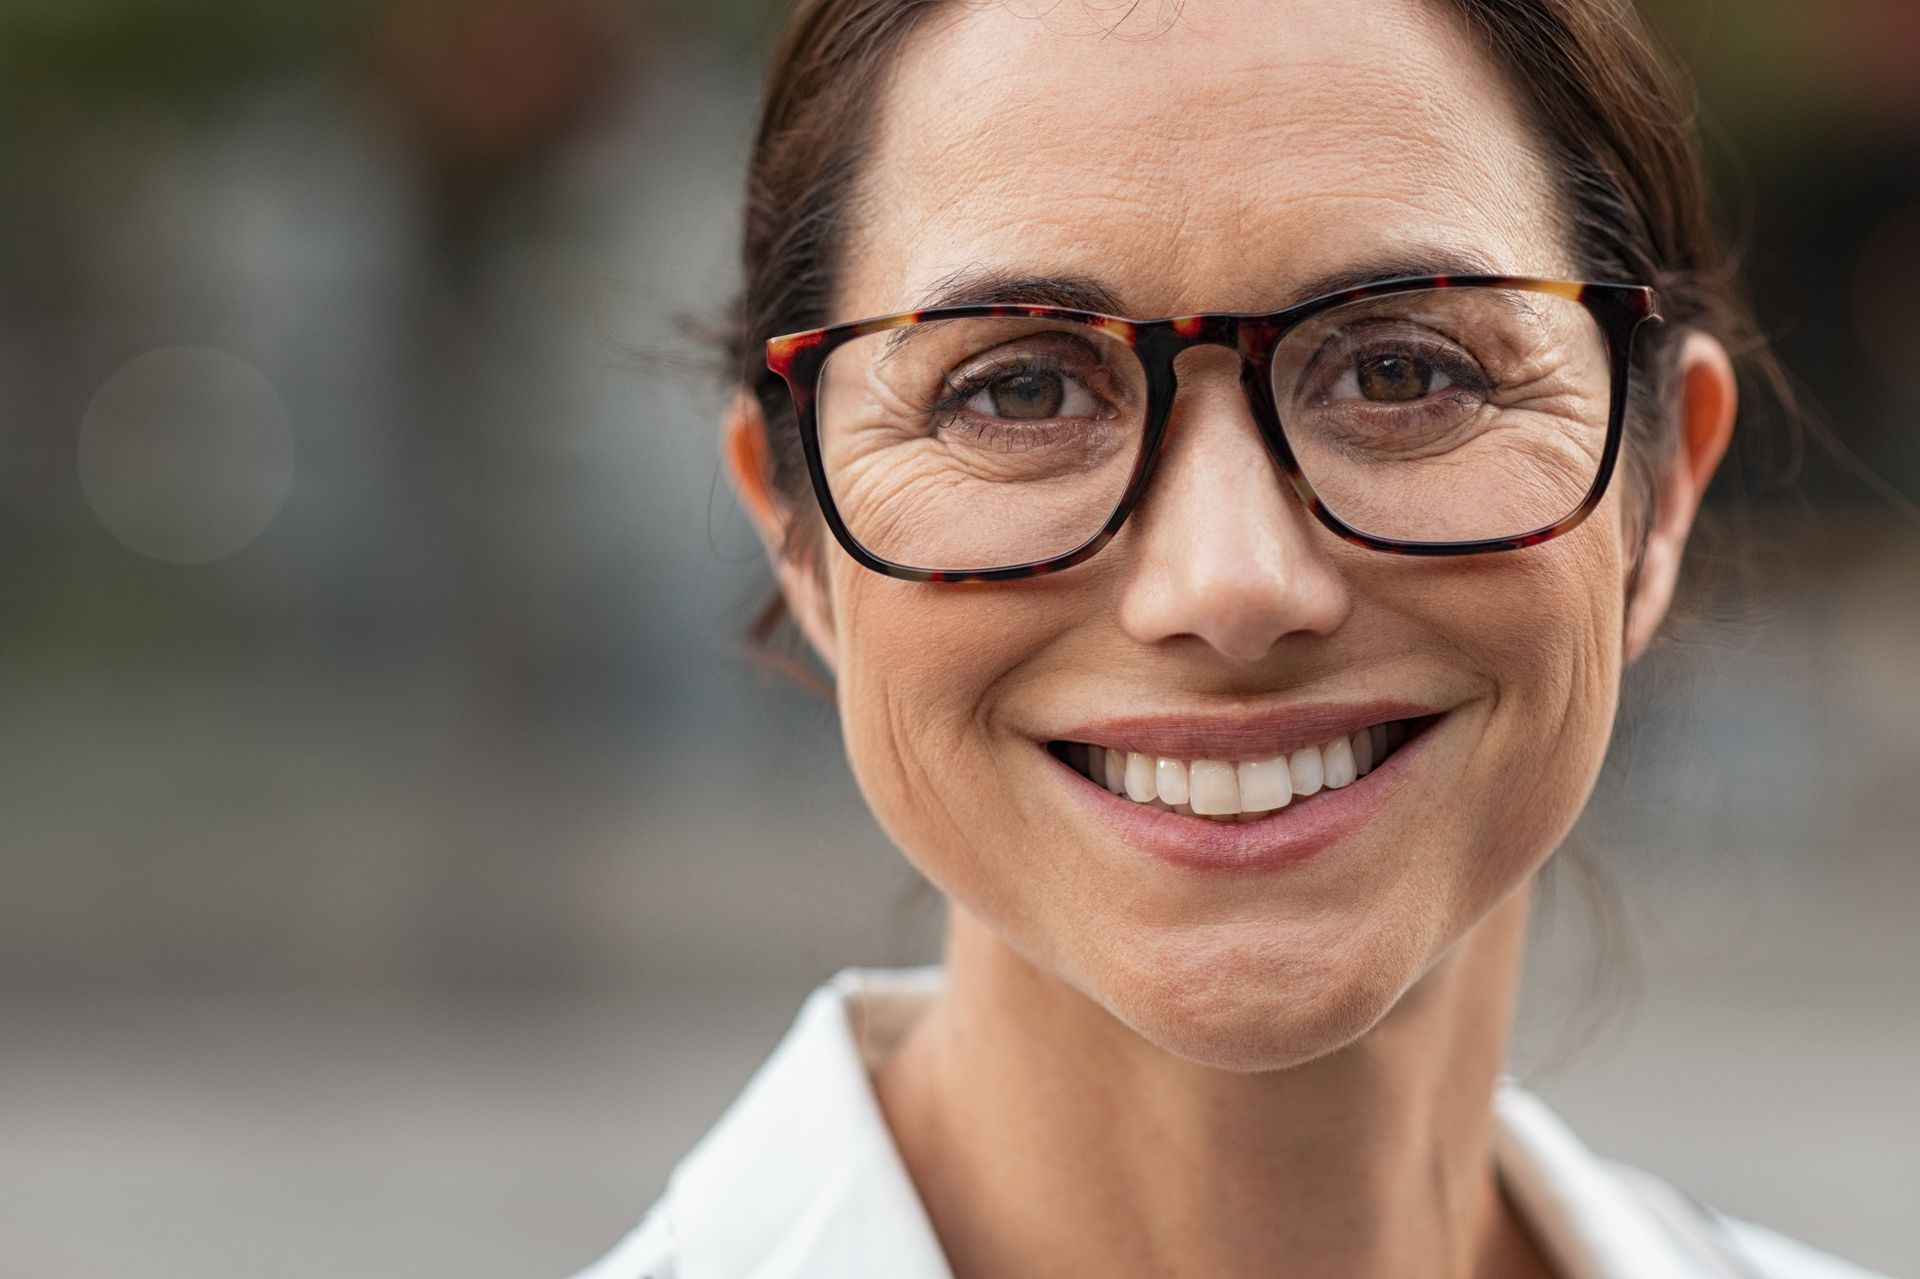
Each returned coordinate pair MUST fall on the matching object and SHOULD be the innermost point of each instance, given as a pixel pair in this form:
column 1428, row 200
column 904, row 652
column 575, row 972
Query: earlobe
column 1707, row 408
column 745, row 446
column 750, row 468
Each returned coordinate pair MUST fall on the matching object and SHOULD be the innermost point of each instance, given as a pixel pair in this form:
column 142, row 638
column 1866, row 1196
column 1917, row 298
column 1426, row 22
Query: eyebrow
column 1429, row 262
column 971, row 285
column 974, row 285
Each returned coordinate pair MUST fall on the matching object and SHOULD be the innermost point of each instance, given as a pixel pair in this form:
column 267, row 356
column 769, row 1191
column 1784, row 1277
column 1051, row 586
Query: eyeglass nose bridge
column 1253, row 339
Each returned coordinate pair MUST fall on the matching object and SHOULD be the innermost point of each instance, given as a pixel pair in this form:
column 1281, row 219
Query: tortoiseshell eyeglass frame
column 798, row 358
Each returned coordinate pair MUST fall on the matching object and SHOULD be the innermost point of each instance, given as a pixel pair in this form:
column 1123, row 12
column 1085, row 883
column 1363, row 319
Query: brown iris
column 1394, row 378
column 1027, row 396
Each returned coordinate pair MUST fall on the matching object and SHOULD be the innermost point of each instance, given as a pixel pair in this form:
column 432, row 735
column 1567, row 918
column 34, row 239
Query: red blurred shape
column 492, row 81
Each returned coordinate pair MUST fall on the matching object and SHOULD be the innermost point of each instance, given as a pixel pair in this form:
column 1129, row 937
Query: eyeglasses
column 1435, row 415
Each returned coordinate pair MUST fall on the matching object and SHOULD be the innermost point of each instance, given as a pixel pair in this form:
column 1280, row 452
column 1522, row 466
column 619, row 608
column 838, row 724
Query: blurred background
column 400, row 863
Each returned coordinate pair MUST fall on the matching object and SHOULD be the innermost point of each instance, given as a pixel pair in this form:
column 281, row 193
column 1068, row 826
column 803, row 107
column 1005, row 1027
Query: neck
column 1046, row 1136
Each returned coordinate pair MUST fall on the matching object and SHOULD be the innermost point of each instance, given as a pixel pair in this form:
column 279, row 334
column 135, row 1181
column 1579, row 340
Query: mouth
column 1245, row 790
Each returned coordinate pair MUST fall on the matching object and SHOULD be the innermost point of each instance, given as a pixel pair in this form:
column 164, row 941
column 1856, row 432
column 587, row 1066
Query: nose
column 1222, row 550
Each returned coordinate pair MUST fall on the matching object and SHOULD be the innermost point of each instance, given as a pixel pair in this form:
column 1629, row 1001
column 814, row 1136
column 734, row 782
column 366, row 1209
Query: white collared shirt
column 800, row 1177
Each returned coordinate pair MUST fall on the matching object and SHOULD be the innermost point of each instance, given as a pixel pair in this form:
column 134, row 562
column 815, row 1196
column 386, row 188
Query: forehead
column 1212, row 162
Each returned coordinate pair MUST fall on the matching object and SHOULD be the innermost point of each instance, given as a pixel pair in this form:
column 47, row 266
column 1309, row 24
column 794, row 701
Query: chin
column 1252, row 1008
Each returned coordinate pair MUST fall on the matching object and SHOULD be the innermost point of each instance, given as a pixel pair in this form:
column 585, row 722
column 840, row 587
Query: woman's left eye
column 1033, row 395
column 1393, row 377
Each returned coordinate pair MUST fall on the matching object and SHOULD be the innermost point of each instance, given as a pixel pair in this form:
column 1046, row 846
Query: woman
column 1232, row 718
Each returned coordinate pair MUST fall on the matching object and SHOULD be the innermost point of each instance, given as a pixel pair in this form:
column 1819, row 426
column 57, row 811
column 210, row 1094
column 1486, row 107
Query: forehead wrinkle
column 1134, row 87
column 1174, row 273
column 1286, row 150
column 1236, row 105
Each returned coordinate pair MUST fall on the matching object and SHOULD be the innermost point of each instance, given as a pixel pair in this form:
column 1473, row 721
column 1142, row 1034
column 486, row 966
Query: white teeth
column 1249, row 790
column 1337, row 758
column 1362, row 743
column 1171, row 778
column 1141, row 785
column 1306, row 770
column 1214, row 788
column 1265, row 784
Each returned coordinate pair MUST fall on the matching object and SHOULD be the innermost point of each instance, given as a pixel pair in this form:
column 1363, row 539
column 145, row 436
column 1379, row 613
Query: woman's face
column 1221, row 164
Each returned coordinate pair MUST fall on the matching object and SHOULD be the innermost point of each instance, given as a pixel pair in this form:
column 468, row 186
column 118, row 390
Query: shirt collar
column 801, row 1177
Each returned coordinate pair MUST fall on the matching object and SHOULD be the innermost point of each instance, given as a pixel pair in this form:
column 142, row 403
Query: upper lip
column 1235, row 734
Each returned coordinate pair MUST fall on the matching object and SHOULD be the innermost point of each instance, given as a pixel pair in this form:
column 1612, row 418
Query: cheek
column 1541, row 630
column 1552, row 631
column 921, row 670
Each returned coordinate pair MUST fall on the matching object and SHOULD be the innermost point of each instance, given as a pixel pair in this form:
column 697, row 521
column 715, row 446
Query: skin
column 1142, row 1070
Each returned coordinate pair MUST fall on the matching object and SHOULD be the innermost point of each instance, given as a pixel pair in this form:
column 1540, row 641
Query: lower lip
column 1287, row 837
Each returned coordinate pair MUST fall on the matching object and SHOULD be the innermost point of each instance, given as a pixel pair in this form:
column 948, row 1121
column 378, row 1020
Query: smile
column 1238, row 790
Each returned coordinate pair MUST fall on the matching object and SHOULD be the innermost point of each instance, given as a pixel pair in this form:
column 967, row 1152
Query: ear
column 1709, row 402
column 749, row 467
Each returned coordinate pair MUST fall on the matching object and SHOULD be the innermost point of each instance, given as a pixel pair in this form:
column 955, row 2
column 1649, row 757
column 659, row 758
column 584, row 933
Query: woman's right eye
column 1393, row 378
column 1028, row 394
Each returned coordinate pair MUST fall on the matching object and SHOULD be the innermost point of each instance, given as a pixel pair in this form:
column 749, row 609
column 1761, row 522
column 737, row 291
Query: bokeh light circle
column 186, row 454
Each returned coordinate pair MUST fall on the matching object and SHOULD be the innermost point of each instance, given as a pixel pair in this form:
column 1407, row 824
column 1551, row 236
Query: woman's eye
column 1391, row 378
column 1033, row 395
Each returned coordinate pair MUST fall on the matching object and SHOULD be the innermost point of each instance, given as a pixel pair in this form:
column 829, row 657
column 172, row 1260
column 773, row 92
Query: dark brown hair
column 1616, row 121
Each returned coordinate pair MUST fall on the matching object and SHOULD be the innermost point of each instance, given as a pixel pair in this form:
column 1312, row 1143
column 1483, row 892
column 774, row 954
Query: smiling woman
column 1226, row 458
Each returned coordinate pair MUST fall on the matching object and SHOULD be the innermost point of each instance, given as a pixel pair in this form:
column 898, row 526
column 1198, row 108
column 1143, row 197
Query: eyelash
column 947, row 410
column 1463, row 372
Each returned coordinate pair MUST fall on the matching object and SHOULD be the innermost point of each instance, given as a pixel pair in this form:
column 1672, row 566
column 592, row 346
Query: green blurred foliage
column 739, row 23
column 91, row 57
column 1762, row 72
